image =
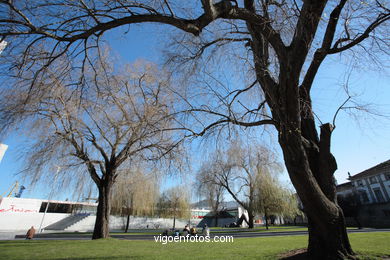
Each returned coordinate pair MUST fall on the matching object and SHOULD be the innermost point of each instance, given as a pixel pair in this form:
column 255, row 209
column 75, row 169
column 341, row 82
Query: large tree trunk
column 250, row 220
column 101, row 229
column 311, row 167
column 329, row 240
column 266, row 220
column 307, row 156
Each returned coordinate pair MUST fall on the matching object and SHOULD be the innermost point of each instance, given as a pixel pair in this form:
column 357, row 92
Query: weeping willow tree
column 135, row 194
column 236, row 170
column 94, row 130
column 272, row 198
column 174, row 203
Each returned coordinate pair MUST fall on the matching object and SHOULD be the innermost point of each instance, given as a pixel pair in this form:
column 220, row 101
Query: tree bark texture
column 311, row 167
column 250, row 220
column 174, row 222
column 127, row 223
column 101, row 229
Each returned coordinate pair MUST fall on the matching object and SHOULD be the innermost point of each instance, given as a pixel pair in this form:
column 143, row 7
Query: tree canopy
column 95, row 131
column 282, row 45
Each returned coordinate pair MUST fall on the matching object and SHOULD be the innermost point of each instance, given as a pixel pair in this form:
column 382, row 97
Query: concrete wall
column 119, row 223
column 19, row 221
column 22, row 222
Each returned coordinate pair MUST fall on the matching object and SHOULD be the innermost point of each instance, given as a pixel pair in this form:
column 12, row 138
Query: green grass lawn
column 261, row 229
column 371, row 245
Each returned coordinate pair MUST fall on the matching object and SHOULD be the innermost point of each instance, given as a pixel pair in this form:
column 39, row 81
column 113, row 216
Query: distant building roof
column 221, row 214
column 372, row 171
column 204, row 204
column 230, row 204
column 344, row 186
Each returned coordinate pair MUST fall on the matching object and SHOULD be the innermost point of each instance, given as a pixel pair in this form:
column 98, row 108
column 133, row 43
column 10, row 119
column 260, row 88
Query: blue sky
column 357, row 144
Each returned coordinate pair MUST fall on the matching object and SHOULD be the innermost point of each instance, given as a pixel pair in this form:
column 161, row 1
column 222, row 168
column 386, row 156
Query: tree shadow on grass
column 102, row 257
column 21, row 242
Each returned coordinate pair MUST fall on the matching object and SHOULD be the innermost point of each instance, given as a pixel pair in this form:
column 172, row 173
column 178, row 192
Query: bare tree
column 237, row 171
column 285, row 43
column 99, row 130
column 174, row 203
column 135, row 194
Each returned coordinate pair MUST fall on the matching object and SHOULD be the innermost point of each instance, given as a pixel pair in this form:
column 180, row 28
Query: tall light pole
column 48, row 201
column 3, row 44
column 3, row 147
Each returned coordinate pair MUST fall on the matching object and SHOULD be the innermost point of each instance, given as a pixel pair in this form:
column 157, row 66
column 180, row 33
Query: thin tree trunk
column 174, row 222
column 101, row 229
column 127, row 223
column 266, row 220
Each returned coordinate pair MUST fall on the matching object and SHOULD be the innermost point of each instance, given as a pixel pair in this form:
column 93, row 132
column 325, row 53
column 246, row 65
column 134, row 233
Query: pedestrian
column 186, row 230
column 30, row 233
column 206, row 231
column 193, row 231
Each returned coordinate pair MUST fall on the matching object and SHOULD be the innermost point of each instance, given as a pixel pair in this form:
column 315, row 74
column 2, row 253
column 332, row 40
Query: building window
column 56, row 207
column 378, row 195
column 359, row 183
column 387, row 176
column 386, row 212
column 373, row 180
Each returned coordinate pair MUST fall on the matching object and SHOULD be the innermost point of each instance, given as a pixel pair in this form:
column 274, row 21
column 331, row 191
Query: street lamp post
column 48, row 201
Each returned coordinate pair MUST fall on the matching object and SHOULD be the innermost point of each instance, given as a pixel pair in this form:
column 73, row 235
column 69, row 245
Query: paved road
column 242, row 234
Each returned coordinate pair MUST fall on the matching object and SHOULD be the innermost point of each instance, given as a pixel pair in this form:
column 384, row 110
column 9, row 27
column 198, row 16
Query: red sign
column 12, row 208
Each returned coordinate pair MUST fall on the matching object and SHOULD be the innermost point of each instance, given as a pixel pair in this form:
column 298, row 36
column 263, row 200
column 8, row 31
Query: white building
column 373, row 185
column 17, row 214
column 21, row 214
column 371, row 188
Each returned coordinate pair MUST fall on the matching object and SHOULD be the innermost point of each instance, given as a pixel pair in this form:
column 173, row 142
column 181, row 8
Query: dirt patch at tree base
column 297, row 254
column 301, row 254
